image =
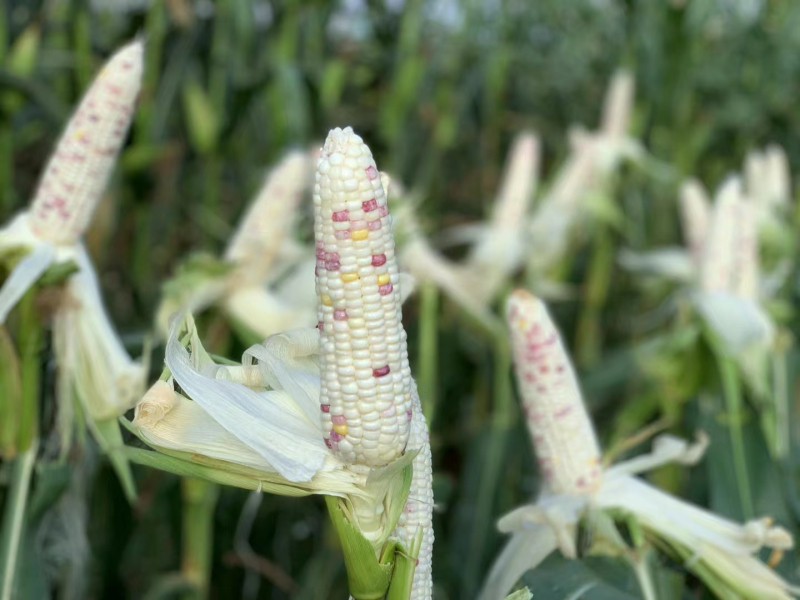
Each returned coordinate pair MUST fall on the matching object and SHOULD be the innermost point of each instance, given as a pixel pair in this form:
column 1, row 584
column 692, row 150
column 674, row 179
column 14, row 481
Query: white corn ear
column 722, row 249
column 695, row 215
column 418, row 512
column 563, row 436
column 262, row 231
column 500, row 251
column 365, row 377
column 618, row 105
column 81, row 166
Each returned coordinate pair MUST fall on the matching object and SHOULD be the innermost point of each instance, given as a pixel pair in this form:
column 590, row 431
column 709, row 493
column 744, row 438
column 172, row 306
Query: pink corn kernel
column 341, row 216
column 332, row 256
column 385, row 289
column 338, row 419
column 340, row 315
column 342, row 235
column 380, row 371
column 320, row 325
column 374, row 225
column 383, row 211
column 336, row 437
column 378, row 260
column 372, row 172
column 329, row 444
column 332, row 265
column 326, row 408
column 369, row 205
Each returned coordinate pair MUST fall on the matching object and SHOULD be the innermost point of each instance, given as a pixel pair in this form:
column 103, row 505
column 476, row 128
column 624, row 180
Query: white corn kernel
column 359, row 310
column 81, row 166
column 563, row 436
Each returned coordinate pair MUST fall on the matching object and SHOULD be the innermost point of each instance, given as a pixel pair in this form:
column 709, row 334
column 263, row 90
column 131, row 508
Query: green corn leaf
column 523, row 594
column 404, row 567
column 202, row 122
column 109, row 437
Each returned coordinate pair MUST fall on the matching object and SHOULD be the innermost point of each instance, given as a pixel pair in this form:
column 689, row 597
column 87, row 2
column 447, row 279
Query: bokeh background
column 437, row 88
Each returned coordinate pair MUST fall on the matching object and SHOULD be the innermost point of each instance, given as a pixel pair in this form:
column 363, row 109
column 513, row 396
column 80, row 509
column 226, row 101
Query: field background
column 437, row 88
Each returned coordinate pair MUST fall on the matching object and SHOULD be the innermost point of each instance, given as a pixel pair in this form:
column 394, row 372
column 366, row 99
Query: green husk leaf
column 523, row 594
column 109, row 437
column 368, row 577
column 216, row 471
column 404, row 567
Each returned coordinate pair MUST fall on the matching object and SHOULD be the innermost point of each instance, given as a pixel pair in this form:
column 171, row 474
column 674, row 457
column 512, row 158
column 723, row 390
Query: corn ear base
column 405, row 565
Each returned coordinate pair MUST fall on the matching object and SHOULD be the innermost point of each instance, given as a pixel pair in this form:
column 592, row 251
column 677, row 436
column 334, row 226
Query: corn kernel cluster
column 563, row 436
column 79, row 170
column 365, row 377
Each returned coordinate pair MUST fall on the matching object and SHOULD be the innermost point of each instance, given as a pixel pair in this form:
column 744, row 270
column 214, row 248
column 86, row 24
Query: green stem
column 14, row 520
column 14, row 517
column 6, row 166
column 734, row 403
column 428, row 349
column 642, row 570
column 30, row 339
column 501, row 421
column 589, row 334
column 781, row 399
column 199, row 503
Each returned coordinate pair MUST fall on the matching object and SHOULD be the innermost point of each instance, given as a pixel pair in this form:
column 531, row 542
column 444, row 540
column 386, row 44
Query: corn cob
column 780, row 180
column 500, row 251
column 767, row 177
column 563, row 436
column 418, row 511
column 722, row 249
column 365, row 377
column 518, row 184
column 617, row 105
column 695, row 214
column 260, row 236
column 81, row 166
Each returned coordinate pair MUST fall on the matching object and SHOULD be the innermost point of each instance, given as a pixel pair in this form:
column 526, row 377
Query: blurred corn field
column 438, row 88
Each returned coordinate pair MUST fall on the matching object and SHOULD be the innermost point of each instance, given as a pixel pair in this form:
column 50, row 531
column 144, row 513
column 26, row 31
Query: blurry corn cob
column 767, row 177
column 574, row 483
column 721, row 265
column 93, row 366
column 552, row 401
column 331, row 410
column 498, row 250
column 75, row 177
column 260, row 251
column 594, row 157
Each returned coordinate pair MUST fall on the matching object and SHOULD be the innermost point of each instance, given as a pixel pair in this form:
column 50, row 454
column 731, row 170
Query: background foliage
column 437, row 88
